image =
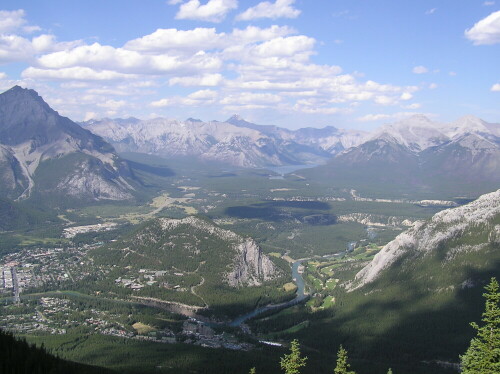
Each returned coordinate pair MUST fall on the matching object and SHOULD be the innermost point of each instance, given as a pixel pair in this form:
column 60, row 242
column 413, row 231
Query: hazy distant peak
column 235, row 117
column 193, row 120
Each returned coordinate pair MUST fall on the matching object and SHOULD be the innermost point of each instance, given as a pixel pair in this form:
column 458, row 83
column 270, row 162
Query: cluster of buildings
column 198, row 333
column 147, row 277
column 35, row 267
column 6, row 282
column 71, row 232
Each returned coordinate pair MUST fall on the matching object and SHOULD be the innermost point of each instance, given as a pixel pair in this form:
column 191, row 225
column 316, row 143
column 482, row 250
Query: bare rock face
column 442, row 229
column 246, row 264
column 251, row 266
column 32, row 134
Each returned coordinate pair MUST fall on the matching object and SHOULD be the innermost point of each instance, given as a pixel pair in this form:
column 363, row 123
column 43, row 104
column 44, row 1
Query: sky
column 292, row 63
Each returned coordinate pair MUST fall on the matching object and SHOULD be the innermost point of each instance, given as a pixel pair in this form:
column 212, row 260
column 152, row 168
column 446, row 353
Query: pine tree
column 389, row 371
column 342, row 365
column 292, row 362
column 483, row 354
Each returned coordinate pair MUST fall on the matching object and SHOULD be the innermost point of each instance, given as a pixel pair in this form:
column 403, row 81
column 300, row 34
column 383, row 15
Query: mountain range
column 42, row 152
column 417, row 154
column 224, row 142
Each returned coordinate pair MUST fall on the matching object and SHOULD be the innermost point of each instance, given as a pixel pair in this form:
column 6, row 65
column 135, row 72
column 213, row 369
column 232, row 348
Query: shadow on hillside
column 308, row 212
column 160, row 171
column 406, row 328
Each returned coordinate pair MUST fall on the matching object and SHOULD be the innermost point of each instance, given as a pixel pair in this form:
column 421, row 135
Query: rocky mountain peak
column 444, row 228
column 31, row 132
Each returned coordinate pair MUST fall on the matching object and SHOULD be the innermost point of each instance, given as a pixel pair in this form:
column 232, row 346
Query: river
column 299, row 297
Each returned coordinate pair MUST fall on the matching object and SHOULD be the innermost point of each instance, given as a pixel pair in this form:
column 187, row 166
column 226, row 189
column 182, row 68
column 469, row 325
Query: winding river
column 300, row 296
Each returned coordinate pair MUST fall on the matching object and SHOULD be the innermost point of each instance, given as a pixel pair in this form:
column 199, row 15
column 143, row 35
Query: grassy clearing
column 288, row 287
column 142, row 328
column 328, row 302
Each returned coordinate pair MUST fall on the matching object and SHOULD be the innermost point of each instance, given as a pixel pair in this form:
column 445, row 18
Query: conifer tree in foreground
column 342, row 365
column 292, row 362
column 483, row 354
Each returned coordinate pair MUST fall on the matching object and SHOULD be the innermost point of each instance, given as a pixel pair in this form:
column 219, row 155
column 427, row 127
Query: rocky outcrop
column 250, row 267
column 374, row 220
column 444, row 229
column 33, row 135
column 247, row 264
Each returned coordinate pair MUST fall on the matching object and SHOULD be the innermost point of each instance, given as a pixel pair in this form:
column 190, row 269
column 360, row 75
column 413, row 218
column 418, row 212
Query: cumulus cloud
column 242, row 68
column 412, row 106
column 188, row 41
column 486, row 31
column 251, row 98
column 15, row 48
column 203, row 95
column 74, row 73
column 383, row 116
column 212, row 11
column 97, row 56
column 265, row 9
column 420, row 70
column 495, row 87
column 14, row 21
column 112, row 104
column 209, row 80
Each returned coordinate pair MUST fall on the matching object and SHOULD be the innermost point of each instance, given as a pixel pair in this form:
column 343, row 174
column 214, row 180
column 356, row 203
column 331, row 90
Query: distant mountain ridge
column 44, row 153
column 419, row 154
column 238, row 145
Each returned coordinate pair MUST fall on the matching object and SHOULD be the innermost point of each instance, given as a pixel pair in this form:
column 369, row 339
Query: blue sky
column 347, row 63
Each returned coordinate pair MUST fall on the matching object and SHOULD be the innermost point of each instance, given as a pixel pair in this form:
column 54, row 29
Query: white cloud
column 420, row 70
column 385, row 100
column 163, row 40
column 431, row 11
column 174, row 2
column 112, row 104
column 406, row 96
column 162, row 103
column 251, row 98
column 489, row 3
column 452, row 73
column 189, row 41
column 412, row 106
column 3, row 75
column 74, row 73
column 381, row 116
column 433, row 86
column 90, row 115
column 203, row 95
column 212, row 11
column 15, row 48
column 486, row 31
column 209, row 80
column 124, row 61
column 13, row 21
column 265, row 9
column 495, row 87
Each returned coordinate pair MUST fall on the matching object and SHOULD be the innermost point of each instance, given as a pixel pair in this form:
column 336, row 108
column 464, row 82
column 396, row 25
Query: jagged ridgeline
column 191, row 261
column 45, row 156
column 413, row 302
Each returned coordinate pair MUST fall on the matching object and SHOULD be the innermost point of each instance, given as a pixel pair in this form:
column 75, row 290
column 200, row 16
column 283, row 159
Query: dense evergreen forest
column 19, row 357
